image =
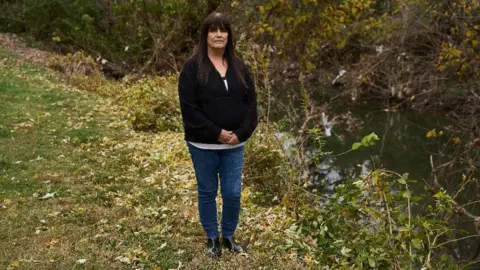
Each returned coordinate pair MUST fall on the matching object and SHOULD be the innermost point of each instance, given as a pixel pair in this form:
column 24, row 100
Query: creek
column 404, row 147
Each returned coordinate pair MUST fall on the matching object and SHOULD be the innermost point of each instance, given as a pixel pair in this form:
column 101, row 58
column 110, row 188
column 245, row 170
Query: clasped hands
column 228, row 137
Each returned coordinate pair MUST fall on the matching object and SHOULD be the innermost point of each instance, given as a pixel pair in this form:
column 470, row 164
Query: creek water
column 403, row 146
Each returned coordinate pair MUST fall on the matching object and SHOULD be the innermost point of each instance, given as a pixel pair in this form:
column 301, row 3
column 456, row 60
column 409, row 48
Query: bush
column 266, row 169
column 369, row 224
column 152, row 104
column 84, row 73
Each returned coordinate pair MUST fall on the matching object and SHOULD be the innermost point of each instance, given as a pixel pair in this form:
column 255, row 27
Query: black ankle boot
column 213, row 246
column 229, row 242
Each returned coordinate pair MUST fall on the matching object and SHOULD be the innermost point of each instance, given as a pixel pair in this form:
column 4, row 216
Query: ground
column 80, row 189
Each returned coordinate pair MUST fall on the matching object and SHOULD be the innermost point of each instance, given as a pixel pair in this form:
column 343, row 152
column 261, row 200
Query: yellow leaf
column 456, row 140
column 15, row 264
column 431, row 133
column 261, row 9
column 440, row 133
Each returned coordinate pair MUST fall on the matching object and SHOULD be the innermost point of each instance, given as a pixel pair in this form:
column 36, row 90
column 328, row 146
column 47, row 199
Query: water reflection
column 328, row 173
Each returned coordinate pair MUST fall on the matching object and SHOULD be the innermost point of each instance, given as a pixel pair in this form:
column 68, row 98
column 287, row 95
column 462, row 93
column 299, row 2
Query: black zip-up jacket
column 207, row 109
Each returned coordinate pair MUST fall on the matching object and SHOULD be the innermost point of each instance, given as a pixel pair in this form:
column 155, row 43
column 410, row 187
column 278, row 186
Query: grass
column 121, row 199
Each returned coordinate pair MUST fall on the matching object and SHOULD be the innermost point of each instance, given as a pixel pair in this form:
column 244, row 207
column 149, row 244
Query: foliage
column 389, row 49
column 458, row 55
column 367, row 141
column 258, row 59
column 75, row 64
column 152, row 104
column 304, row 28
column 84, row 73
column 369, row 224
column 266, row 165
column 131, row 33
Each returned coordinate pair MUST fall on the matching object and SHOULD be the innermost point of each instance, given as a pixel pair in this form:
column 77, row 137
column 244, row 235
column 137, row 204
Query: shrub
column 75, row 64
column 369, row 224
column 266, row 169
column 152, row 104
column 84, row 73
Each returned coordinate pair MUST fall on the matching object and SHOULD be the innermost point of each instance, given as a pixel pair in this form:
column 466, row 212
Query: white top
column 212, row 146
column 225, row 82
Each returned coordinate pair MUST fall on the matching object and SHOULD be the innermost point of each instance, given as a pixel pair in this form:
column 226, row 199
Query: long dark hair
column 216, row 21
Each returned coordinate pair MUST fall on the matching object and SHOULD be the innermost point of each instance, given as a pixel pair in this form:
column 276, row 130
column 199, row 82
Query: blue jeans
column 208, row 165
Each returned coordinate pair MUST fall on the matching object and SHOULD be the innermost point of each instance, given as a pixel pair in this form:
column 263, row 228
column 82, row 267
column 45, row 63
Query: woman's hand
column 225, row 136
column 234, row 139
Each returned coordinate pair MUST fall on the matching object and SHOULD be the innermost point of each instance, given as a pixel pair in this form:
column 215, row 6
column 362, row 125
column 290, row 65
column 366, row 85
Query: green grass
column 117, row 193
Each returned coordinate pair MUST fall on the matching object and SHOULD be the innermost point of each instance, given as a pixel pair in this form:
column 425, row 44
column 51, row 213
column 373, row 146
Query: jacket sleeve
column 250, row 122
column 193, row 117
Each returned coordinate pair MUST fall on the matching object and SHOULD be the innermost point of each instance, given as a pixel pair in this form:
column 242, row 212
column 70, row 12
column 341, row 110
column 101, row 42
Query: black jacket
column 207, row 109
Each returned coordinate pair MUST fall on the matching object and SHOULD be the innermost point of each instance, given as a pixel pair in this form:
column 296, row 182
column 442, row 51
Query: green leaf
column 402, row 181
column 371, row 262
column 367, row 141
column 407, row 194
column 370, row 139
column 417, row 243
column 356, row 145
column 439, row 195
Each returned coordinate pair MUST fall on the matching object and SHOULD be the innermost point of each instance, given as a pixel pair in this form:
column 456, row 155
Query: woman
column 219, row 111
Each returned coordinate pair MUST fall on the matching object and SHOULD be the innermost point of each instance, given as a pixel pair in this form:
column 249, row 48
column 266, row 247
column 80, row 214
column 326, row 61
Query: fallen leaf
column 122, row 259
column 48, row 196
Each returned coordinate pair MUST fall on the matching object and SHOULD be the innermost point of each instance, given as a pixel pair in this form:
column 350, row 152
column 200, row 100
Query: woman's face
column 217, row 38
